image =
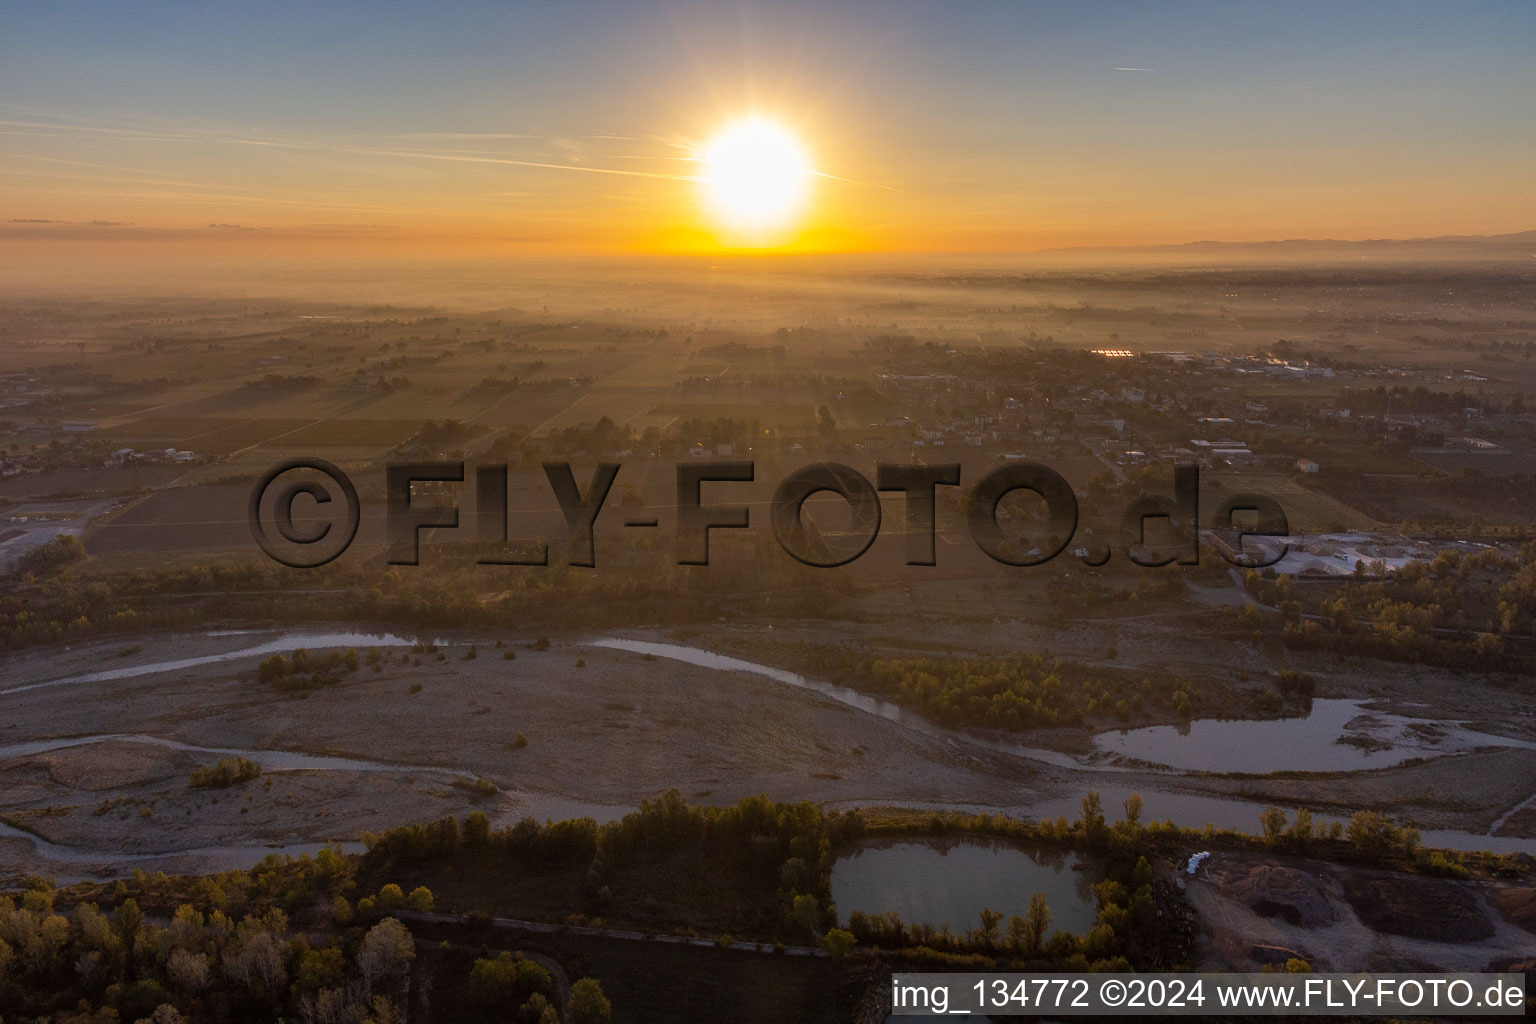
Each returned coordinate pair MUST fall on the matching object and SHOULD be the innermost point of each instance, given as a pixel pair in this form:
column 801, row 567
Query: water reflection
column 948, row 882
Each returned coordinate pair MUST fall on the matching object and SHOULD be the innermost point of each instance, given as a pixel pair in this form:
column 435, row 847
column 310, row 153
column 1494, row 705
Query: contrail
column 866, row 184
column 1136, row 69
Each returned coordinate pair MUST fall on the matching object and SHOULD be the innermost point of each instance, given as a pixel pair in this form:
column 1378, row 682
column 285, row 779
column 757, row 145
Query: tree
column 587, row 1004
column 1301, row 832
column 187, row 971
column 255, row 957
column 1273, row 820
column 477, row 829
column 1133, row 811
column 494, row 982
column 804, row 913
column 390, row 898
column 1036, row 923
column 990, row 920
column 533, row 1011
column 126, row 922
column 838, row 942
column 319, row 969
column 387, row 950
column 1093, row 816
column 507, row 979
column 1371, row 834
column 420, row 900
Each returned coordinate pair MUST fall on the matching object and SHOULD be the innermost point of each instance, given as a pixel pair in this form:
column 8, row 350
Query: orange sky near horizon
column 991, row 128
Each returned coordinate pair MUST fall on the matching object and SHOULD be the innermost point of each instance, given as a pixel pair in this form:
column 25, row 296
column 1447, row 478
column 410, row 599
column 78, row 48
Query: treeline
column 1461, row 611
column 281, row 941
column 1024, row 691
column 754, row 867
column 1449, row 404
column 635, row 583
column 230, row 952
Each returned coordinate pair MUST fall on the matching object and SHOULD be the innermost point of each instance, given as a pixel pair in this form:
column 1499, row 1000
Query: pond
column 948, row 882
column 1337, row 735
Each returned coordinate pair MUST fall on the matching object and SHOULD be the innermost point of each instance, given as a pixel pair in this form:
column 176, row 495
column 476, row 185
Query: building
column 1306, row 466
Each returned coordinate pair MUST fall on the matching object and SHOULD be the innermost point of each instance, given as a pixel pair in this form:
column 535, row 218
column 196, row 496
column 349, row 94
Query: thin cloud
column 584, row 168
column 73, row 223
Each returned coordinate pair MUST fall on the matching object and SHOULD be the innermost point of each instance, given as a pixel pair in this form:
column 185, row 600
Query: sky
column 576, row 125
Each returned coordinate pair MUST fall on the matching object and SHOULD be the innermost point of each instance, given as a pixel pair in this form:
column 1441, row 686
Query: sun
column 755, row 177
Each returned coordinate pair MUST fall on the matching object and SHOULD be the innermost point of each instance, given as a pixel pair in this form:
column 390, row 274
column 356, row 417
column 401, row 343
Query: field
column 990, row 681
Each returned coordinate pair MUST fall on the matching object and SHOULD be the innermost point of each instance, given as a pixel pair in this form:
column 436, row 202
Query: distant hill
column 1520, row 245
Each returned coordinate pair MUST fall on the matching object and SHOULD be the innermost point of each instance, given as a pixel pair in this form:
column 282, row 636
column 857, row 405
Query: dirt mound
column 1295, row 897
column 1518, row 906
column 1419, row 908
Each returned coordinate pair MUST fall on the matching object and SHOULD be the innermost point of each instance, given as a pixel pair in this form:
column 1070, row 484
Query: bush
column 420, row 900
column 45, row 558
column 587, row 1004
column 229, row 771
column 838, row 942
column 479, row 788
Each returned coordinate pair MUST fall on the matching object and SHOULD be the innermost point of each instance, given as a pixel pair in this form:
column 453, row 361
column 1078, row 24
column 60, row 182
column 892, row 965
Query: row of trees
column 231, row 953
column 1473, row 611
column 1022, row 691
column 101, row 967
column 748, row 575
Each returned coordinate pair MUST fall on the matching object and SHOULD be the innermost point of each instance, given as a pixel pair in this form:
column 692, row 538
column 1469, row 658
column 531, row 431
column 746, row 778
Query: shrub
column 229, row 771
column 45, row 558
column 587, row 1004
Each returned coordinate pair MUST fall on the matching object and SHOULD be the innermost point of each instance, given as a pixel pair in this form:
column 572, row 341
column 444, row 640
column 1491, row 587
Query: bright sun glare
column 755, row 176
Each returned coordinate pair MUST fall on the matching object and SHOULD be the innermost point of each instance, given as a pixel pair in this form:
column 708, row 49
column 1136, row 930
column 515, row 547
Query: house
column 1306, row 466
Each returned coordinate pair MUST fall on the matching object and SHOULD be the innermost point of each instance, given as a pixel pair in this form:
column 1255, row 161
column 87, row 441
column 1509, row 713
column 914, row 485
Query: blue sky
column 967, row 124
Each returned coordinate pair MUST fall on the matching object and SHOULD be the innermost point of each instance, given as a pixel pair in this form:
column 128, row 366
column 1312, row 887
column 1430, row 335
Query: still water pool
column 950, row 881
